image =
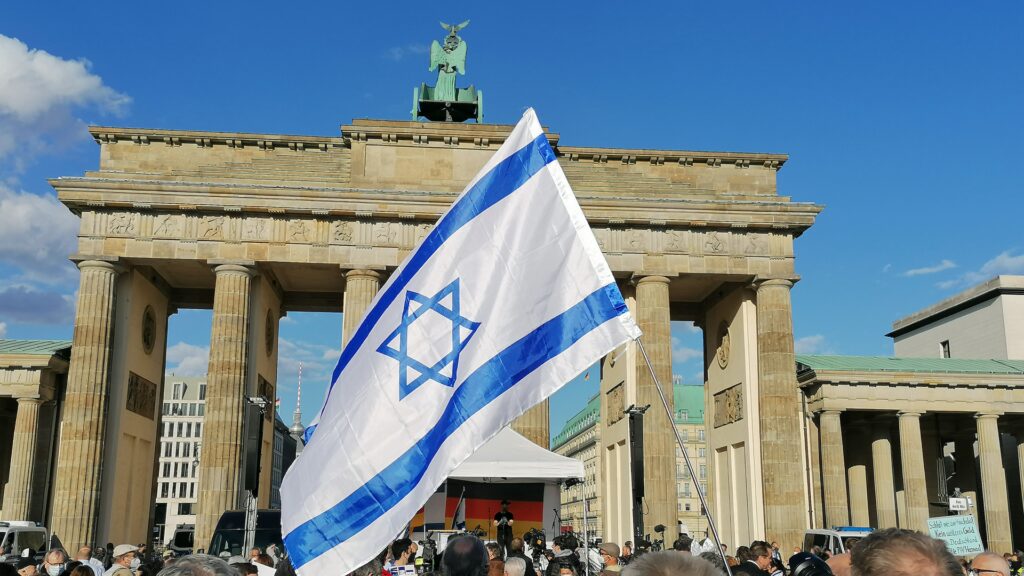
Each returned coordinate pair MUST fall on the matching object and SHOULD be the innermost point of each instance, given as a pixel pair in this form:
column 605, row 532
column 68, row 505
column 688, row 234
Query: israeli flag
column 507, row 298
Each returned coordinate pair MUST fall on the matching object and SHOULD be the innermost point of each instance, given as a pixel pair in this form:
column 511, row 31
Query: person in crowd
column 840, row 564
column 53, row 562
column 515, row 566
column 284, row 567
column 627, row 552
column 669, row 563
column 566, row 570
column 517, row 549
column 682, row 544
column 758, row 559
column 495, row 561
column 273, row 553
column 464, row 556
column 715, row 559
column 108, row 556
column 27, row 567
column 564, row 546
column 991, row 564
column 8, row 569
column 245, row 568
column 743, row 554
column 371, row 568
column 901, row 552
column 70, row 567
column 84, row 556
column 265, row 560
column 198, row 565
column 776, row 553
column 403, row 557
column 254, row 553
column 143, row 552
column 123, row 561
column 610, row 555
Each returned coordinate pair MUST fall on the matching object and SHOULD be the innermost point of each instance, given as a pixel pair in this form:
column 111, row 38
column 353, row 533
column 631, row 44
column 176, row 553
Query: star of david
column 436, row 328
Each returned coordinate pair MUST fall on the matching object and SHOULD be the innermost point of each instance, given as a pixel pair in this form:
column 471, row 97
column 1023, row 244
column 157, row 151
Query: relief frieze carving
column 141, row 396
column 675, row 241
column 167, row 226
column 385, row 233
column 123, row 224
column 716, row 243
column 729, row 406
column 298, row 231
column 211, row 227
column 757, row 245
column 256, row 229
column 342, row 232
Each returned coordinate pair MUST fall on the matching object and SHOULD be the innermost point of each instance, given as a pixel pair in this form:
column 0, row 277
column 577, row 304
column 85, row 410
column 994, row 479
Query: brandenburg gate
column 253, row 226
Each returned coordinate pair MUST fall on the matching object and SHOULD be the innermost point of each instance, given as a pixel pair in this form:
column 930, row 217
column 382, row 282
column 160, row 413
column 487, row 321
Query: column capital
column 639, row 278
column 763, row 282
column 362, row 272
column 233, row 268
column 105, row 264
column 908, row 414
column 987, row 415
column 29, row 400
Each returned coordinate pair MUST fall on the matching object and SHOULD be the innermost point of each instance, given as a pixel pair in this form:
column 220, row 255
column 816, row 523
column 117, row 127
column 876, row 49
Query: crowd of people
column 890, row 552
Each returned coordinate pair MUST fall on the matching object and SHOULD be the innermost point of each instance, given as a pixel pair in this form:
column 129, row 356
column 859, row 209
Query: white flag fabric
column 506, row 299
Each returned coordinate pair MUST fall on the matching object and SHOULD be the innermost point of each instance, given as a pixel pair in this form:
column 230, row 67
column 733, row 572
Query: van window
column 819, row 540
column 184, row 539
column 36, row 540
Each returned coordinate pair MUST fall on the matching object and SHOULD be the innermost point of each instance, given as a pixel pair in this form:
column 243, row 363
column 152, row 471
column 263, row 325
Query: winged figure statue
column 448, row 59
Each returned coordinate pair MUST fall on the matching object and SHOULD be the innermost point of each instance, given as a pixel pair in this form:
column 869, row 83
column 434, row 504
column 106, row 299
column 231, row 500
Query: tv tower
column 297, row 429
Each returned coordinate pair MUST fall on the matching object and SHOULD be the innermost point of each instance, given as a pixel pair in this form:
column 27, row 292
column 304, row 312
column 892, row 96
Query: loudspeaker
column 253, row 447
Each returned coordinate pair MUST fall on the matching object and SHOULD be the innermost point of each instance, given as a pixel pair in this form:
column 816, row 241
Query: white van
column 18, row 537
column 835, row 541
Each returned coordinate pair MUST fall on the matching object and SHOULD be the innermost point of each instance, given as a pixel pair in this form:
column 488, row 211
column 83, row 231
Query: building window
column 700, row 434
column 199, row 427
column 163, row 489
column 191, row 409
column 687, row 506
column 703, row 471
column 202, row 391
column 944, row 349
column 185, row 508
column 166, row 408
column 686, row 435
column 167, row 469
column 701, row 452
column 177, row 391
column 167, row 449
column 202, row 409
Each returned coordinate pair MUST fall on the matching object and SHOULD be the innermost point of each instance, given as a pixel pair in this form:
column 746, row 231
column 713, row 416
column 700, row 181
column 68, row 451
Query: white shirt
column 96, row 565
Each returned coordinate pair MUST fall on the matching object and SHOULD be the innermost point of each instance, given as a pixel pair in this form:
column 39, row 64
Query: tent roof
column 509, row 457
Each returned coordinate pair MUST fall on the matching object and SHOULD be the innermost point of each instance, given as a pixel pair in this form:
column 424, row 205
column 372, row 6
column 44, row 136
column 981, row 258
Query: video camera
column 429, row 554
column 807, row 564
column 536, row 541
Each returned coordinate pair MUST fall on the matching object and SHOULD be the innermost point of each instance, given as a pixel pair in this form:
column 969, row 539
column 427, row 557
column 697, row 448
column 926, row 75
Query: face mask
column 54, row 570
column 135, row 564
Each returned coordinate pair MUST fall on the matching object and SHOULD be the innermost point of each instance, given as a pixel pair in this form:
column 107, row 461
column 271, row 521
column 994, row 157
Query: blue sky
column 903, row 118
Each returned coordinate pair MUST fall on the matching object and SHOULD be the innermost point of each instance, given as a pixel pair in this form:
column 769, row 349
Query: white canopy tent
column 509, row 457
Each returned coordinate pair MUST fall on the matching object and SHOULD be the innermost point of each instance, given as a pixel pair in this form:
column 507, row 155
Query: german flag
column 483, row 501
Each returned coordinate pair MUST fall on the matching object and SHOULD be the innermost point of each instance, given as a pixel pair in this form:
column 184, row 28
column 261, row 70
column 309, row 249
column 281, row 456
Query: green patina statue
column 444, row 101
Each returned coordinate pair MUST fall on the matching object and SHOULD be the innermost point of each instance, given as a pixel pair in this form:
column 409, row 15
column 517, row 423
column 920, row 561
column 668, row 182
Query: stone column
column 857, row 455
column 660, row 495
column 18, row 492
column 79, row 465
column 360, row 288
column 778, row 397
column 912, row 459
column 833, row 469
column 1019, row 434
column 884, row 479
column 993, row 484
column 222, row 449
column 534, row 424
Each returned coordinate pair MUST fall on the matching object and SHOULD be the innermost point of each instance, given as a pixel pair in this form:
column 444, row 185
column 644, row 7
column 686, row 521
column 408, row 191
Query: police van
column 24, row 538
column 838, row 540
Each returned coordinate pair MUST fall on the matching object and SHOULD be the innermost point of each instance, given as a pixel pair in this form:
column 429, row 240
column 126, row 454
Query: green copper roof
column 36, row 347
column 890, row 364
column 689, row 402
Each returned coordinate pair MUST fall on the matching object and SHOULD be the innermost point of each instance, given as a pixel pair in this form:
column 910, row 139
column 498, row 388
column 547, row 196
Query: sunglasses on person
column 982, row 572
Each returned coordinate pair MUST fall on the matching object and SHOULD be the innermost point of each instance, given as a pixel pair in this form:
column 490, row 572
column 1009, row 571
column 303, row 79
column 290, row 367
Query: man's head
column 124, row 554
column 669, row 563
column 464, row 555
column 26, row 567
column 493, row 551
column 565, row 542
column 990, row 564
column 682, row 544
column 200, row 565
column 53, row 563
column 255, row 552
column 402, row 550
column 515, row 567
column 775, row 546
column 516, row 546
column 627, row 548
column 761, row 555
column 504, row 505
column 609, row 553
column 900, row 552
column 84, row 554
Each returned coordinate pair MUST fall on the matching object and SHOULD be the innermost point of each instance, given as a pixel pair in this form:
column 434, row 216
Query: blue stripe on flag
column 382, row 492
column 504, row 179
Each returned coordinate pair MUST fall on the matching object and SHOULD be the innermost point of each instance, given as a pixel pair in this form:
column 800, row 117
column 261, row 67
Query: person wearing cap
column 27, row 567
column 121, row 560
column 610, row 555
column 503, row 521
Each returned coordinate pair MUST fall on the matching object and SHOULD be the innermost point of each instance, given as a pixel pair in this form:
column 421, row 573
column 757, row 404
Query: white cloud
column 186, row 359
column 3, row 330
column 39, row 96
column 398, row 53
column 682, row 353
column 815, row 344
column 1007, row 262
column 940, row 267
column 37, row 234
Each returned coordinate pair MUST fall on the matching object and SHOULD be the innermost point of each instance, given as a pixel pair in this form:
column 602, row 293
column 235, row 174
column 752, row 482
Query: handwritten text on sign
column 960, row 533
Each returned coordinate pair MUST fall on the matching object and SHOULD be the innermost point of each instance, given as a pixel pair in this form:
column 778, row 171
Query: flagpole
column 686, row 457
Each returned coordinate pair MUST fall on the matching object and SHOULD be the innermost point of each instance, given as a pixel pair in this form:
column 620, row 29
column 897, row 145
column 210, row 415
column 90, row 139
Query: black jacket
column 748, row 568
column 529, row 562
